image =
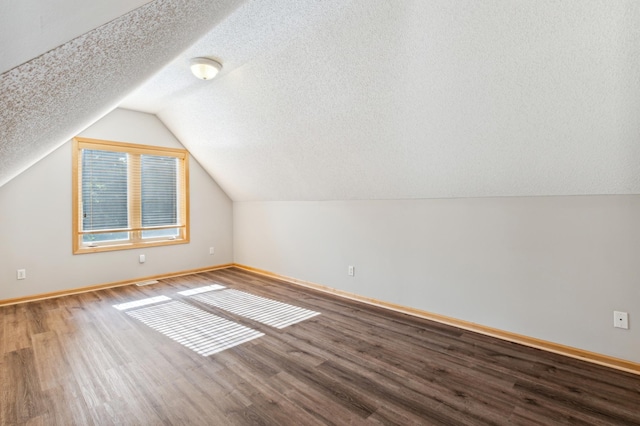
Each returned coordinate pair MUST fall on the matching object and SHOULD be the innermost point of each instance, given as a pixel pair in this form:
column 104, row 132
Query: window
column 128, row 196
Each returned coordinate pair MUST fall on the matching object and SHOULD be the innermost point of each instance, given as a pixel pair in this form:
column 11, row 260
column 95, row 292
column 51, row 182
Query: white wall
column 554, row 268
column 30, row 28
column 35, row 221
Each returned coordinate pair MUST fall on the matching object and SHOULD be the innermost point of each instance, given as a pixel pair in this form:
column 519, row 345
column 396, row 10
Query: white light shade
column 205, row 68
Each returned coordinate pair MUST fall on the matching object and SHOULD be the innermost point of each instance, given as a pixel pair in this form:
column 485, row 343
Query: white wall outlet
column 142, row 258
column 21, row 274
column 212, row 250
column 621, row 319
column 351, row 271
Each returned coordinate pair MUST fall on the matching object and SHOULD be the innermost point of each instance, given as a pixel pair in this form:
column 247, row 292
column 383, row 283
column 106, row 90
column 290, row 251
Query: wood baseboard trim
column 593, row 357
column 78, row 290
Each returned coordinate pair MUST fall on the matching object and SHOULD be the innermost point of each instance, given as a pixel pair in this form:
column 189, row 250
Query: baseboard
column 596, row 358
column 60, row 293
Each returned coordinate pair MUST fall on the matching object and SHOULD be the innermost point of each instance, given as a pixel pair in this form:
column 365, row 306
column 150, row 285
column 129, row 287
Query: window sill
column 127, row 246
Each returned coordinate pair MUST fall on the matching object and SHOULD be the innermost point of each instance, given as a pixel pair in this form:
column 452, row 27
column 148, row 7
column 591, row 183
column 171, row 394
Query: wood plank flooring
column 78, row 360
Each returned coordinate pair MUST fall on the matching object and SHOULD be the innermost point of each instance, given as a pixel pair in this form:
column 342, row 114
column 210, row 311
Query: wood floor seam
column 78, row 360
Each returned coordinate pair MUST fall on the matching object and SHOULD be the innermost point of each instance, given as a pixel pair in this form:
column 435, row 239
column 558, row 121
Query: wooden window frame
column 134, row 210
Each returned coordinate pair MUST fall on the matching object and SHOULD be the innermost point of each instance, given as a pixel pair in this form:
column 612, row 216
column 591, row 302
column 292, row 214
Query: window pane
column 109, row 236
column 159, row 178
column 104, row 192
column 171, row 232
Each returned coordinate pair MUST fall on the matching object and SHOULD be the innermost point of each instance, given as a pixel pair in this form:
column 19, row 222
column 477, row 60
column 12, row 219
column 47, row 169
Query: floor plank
column 78, row 360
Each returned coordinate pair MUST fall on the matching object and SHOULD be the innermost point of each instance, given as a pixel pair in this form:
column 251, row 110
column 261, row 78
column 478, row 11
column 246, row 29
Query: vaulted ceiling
column 340, row 99
column 53, row 96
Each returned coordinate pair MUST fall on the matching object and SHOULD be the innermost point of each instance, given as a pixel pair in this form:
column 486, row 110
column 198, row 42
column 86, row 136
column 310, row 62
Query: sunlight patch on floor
column 141, row 302
column 266, row 311
column 194, row 328
column 199, row 290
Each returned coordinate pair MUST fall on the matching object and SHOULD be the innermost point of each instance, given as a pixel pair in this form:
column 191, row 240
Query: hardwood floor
column 78, row 360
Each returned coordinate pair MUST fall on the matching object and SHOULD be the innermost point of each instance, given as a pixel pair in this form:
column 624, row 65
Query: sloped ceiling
column 360, row 99
column 29, row 28
column 52, row 97
column 412, row 99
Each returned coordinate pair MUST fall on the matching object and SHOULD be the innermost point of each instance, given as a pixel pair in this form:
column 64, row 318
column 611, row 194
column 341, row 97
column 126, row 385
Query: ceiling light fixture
column 205, row 68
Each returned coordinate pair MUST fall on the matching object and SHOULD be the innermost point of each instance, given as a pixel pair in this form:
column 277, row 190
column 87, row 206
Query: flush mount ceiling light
column 205, row 68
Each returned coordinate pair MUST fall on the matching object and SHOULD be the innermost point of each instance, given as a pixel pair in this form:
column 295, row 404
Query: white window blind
column 104, row 195
column 159, row 190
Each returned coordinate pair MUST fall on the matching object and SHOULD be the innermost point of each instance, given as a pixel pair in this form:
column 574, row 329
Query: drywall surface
column 35, row 221
column 414, row 99
column 553, row 268
column 49, row 99
column 29, row 28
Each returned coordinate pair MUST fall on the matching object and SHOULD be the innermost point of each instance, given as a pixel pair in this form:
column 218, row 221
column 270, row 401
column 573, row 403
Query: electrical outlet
column 621, row 320
column 21, row 274
column 212, row 250
column 142, row 258
column 351, row 271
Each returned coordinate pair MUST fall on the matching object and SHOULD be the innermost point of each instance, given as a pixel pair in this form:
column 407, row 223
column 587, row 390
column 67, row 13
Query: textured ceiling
column 29, row 28
column 412, row 99
column 49, row 99
column 358, row 99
